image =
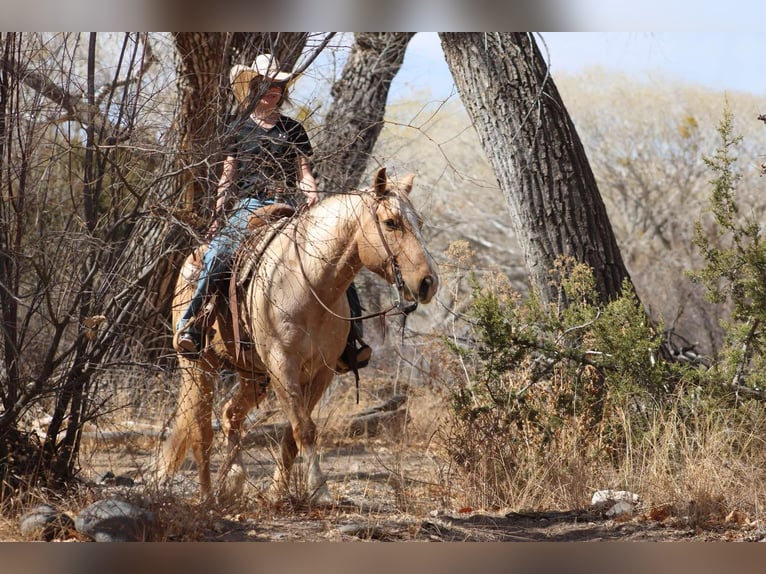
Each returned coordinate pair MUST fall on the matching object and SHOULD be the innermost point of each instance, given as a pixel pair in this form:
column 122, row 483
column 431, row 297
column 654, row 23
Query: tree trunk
column 203, row 79
column 537, row 156
column 355, row 118
column 85, row 290
column 159, row 243
column 9, row 273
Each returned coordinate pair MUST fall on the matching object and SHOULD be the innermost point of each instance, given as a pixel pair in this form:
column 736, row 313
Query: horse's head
column 391, row 243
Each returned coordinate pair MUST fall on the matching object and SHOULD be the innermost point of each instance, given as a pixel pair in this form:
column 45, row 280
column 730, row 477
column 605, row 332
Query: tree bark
column 203, row 79
column 537, row 156
column 355, row 118
column 182, row 206
column 9, row 273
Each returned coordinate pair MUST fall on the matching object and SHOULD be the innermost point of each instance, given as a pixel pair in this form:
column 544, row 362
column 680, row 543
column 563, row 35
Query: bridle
column 399, row 306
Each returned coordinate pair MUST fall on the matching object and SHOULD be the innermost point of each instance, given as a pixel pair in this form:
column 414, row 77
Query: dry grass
column 701, row 472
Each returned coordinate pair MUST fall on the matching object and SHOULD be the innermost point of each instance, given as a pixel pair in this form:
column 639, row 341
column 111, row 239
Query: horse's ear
column 406, row 184
column 380, row 181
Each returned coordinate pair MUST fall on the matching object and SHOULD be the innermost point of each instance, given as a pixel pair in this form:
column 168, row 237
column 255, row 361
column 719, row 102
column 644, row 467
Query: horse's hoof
column 322, row 497
column 232, row 487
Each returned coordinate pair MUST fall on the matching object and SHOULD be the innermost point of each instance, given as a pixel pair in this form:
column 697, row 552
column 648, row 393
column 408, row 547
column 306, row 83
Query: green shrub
column 735, row 270
column 557, row 400
column 544, row 378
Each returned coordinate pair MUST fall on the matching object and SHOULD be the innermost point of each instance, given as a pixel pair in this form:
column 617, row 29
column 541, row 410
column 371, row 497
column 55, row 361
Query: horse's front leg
column 288, row 450
column 301, row 437
column 250, row 392
column 314, row 480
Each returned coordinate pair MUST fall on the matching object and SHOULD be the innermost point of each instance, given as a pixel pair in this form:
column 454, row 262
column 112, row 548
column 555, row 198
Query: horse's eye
column 391, row 224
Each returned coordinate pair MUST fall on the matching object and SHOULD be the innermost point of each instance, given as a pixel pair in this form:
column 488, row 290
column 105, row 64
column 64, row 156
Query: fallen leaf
column 659, row 513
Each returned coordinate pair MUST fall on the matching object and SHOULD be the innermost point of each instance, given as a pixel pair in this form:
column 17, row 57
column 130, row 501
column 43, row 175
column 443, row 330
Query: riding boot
column 188, row 339
column 354, row 357
column 192, row 325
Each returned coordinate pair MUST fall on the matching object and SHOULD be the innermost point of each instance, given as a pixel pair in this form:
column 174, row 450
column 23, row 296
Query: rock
column 615, row 502
column 112, row 520
column 124, row 480
column 620, row 508
column 109, row 479
column 608, row 496
column 44, row 522
column 106, row 478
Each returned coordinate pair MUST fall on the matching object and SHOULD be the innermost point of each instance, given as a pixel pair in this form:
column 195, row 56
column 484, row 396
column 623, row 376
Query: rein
column 399, row 305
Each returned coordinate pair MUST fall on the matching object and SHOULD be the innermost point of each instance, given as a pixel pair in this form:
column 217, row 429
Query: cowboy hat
column 265, row 66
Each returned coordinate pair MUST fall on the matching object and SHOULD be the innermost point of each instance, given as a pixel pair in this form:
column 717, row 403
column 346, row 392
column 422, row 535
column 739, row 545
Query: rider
column 266, row 162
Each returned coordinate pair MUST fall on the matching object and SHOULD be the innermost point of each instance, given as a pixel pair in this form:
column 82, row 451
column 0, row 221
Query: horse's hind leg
column 248, row 395
column 192, row 426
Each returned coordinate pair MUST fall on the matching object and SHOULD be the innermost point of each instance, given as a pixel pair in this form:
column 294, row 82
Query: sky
column 725, row 61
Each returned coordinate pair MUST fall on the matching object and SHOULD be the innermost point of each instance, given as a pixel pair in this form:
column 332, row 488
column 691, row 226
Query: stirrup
column 352, row 356
column 188, row 342
column 190, row 345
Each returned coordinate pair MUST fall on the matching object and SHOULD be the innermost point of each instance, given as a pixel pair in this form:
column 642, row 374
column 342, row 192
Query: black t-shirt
column 268, row 159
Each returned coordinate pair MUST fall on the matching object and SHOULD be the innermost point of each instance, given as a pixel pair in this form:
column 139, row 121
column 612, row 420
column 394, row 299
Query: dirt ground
column 390, row 483
column 384, row 490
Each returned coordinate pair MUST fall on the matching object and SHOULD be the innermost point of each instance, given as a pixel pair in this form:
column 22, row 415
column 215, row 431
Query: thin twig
column 736, row 382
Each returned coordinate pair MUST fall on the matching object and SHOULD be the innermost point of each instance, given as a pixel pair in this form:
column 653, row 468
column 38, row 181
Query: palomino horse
column 293, row 319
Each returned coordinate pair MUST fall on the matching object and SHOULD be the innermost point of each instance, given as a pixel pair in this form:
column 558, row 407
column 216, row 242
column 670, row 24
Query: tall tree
column 353, row 123
column 89, row 243
column 533, row 147
column 182, row 205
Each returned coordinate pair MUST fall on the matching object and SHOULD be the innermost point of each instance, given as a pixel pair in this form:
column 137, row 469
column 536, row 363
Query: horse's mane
column 336, row 204
column 343, row 196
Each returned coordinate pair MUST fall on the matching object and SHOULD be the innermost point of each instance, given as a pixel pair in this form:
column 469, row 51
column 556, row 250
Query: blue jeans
column 217, row 259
